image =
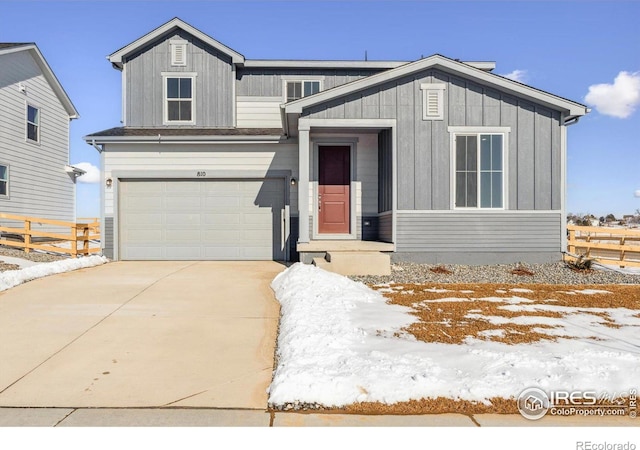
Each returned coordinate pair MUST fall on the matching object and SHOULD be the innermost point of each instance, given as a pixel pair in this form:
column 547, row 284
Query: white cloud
column 516, row 75
column 92, row 175
column 619, row 99
column 637, row 193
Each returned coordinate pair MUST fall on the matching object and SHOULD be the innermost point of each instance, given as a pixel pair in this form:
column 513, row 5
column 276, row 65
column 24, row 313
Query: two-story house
column 36, row 179
column 224, row 157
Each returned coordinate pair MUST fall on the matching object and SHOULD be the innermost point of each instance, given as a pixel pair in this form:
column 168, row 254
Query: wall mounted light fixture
column 109, row 183
column 293, row 181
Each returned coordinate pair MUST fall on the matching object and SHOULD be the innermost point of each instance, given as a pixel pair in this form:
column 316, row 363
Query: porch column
column 303, row 183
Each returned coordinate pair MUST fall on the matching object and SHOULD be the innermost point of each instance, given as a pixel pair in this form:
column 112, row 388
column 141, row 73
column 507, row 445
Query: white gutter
column 185, row 140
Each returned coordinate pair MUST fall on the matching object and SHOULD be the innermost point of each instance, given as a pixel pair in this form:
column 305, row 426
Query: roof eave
column 55, row 84
column 89, row 139
column 116, row 58
column 438, row 61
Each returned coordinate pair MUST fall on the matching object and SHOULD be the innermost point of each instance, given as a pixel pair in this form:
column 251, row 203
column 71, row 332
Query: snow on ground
column 340, row 343
column 18, row 261
column 13, row 278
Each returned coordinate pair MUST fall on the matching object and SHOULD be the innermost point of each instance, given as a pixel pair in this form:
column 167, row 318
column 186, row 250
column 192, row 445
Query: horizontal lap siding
column 39, row 186
column 477, row 232
column 253, row 112
column 385, row 228
column 213, row 84
column 423, row 147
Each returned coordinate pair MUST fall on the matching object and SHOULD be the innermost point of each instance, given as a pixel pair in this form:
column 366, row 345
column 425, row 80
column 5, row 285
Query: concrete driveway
column 141, row 334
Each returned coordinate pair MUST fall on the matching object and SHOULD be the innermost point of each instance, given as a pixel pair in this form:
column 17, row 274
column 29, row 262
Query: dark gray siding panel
column 423, row 147
column 213, row 84
column 478, row 232
column 385, row 171
column 370, row 228
column 385, row 228
column 107, row 237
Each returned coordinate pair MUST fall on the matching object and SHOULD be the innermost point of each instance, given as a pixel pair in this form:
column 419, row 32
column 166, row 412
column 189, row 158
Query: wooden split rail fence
column 27, row 238
column 613, row 246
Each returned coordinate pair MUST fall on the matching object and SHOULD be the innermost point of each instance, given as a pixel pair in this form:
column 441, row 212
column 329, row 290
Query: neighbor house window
column 432, row 101
column 33, row 123
column 4, row 180
column 479, row 170
column 179, row 99
column 298, row 89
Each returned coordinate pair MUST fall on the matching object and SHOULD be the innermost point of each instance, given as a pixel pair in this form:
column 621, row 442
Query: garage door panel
column 228, row 218
column 203, row 219
column 221, row 236
column 182, row 203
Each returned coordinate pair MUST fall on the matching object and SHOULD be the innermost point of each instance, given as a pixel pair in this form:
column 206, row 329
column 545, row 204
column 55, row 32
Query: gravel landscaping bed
column 549, row 273
column 33, row 256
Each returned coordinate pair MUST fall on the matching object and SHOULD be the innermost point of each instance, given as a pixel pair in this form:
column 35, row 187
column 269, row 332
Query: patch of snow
column 436, row 290
column 490, row 333
column 13, row 278
column 521, row 290
column 341, row 342
column 591, row 291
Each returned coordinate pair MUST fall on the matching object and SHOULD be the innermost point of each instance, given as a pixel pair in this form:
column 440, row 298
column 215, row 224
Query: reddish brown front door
column 334, row 173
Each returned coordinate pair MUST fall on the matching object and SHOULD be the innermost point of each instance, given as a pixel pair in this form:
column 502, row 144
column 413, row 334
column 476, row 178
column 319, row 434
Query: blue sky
column 572, row 49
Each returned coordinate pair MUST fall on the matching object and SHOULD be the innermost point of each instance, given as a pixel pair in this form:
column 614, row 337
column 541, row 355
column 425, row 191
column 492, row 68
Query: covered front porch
column 346, row 194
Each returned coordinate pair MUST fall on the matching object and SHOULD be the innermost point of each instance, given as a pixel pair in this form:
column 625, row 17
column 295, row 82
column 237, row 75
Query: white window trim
column 438, row 89
column 173, row 45
column 26, row 122
column 165, row 109
column 6, row 196
column 302, row 79
column 462, row 130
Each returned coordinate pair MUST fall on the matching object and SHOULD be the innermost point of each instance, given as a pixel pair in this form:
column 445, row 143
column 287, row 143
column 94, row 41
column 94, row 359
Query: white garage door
column 201, row 220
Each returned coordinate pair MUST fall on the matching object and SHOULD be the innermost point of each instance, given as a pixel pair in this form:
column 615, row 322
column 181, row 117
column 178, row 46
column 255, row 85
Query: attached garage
column 209, row 219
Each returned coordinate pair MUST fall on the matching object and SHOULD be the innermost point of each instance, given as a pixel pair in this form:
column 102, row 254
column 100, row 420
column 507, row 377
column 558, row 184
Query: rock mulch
column 33, row 256
column 519, row 273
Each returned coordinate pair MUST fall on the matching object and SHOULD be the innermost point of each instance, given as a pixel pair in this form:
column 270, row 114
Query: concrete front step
column 355, row 263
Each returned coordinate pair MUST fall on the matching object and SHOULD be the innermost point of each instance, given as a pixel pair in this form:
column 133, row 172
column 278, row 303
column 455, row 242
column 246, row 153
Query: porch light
column 109, row 183
column 293, row 181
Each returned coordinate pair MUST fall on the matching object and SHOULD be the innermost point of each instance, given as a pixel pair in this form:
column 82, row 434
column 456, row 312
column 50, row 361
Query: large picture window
column 179, row 99
column 479, row 171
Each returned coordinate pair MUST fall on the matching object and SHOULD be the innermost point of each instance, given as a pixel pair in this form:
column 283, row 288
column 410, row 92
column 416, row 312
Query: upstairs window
column 298, row 89
column 33, row 123
column 479, row 170
column 178, row 52
column 4, row 181
column 432, row 101
column 179, row 99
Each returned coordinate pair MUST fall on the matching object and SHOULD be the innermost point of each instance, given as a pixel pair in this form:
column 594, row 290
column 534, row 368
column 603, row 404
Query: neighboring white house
column 35, row 112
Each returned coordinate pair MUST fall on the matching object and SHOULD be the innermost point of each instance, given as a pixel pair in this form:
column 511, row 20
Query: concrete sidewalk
column 196, row 417
column 141, row 334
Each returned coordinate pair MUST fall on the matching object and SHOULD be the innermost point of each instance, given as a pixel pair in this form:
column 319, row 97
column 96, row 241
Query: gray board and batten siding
column 213, row 85
column 423, row 147
column 427, row 229
column 268, row 82
column 38, row 185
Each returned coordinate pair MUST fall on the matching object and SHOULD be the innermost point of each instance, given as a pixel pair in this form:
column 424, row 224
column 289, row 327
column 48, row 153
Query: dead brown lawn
column 445, row 322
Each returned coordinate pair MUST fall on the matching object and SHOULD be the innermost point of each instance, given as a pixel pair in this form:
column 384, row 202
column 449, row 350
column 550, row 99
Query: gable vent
column 433, row 101
column 178, row 53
